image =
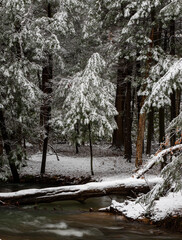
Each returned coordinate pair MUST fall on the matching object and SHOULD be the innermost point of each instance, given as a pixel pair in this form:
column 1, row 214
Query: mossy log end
column 77, row 192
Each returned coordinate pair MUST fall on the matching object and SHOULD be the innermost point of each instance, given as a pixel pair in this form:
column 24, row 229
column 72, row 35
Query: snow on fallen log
column 157, row 159
column 163, row 209
column 77, row 192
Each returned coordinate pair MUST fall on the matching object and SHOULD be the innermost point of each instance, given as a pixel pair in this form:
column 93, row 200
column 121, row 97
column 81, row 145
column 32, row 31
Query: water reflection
column 72, row 220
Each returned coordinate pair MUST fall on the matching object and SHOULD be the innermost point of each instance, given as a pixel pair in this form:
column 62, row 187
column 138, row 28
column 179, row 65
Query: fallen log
column 128, row 186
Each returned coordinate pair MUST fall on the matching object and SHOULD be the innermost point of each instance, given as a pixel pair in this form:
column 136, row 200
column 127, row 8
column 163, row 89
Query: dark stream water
column 72, row 220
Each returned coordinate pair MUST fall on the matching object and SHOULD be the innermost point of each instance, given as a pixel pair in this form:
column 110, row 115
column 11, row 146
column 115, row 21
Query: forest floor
column 72, row 168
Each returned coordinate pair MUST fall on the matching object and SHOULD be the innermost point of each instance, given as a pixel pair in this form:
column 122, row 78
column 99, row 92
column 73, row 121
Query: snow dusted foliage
column 171, row 10
column 171, row 182
column 28, row 37
column 169, row 77
column 89, row 100
column 176, row 124
column 164, row 199
column 18, row 87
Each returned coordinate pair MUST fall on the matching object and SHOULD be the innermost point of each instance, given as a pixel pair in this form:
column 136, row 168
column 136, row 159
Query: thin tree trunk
column 128, row 143
column 46, row 77
column 47, row 89
column 162, row 133
column 91, row 150
column 161, row 125
column 7, row 147
column 76, row 140
column 150, row 130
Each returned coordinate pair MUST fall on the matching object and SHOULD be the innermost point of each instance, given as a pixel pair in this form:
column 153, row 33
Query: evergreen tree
column 89, row 104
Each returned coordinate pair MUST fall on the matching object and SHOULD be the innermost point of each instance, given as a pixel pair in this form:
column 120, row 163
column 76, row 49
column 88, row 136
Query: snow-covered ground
column 79, row 166
column 107, row 164
column 169, row 205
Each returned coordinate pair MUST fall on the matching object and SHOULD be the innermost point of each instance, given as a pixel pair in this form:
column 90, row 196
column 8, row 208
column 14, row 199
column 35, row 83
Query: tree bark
column 7, row 147
column 1, row 146
column 173, row 95
column 161, row 125
column 76, row 139
column 118, row 136
column 91, row 150
column 178, row 101
column 142, row 118
column 47, row 90
column 140, row 138
column 128, row 143
column 150, row 130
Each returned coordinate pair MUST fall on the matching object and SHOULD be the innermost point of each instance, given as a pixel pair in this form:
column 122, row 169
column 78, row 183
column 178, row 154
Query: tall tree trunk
column 150, row 130
column 7, row 147
column 173, row 95
column 118, row 136
column 47, row 90
column 128, row 143
column 91, row 150
column 142, row 118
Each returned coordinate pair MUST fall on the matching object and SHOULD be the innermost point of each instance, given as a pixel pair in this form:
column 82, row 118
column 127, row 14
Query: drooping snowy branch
column 157, row 159
column 162, row 89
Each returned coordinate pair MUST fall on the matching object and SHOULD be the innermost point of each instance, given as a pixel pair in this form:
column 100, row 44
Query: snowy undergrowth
column 169, row 205
column 162, row 201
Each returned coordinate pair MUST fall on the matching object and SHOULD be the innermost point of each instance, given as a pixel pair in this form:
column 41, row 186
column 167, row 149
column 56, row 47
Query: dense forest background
column 89, row 72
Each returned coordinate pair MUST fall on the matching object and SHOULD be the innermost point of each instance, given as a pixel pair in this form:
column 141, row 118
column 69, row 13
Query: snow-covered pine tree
column 88, row 105
column 19, row 93
column 28, row 38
